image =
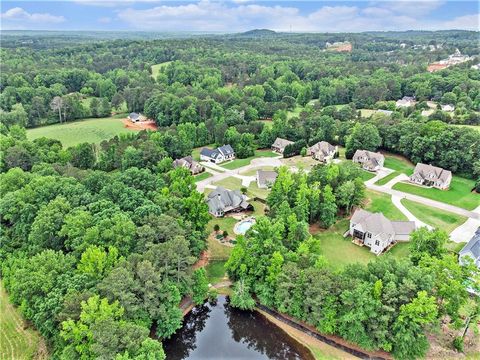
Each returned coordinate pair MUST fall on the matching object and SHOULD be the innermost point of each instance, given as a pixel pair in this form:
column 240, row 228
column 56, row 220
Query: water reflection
column 218, row 331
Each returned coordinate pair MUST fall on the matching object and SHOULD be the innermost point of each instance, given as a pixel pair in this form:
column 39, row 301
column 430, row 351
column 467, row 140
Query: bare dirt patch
column 141, row 125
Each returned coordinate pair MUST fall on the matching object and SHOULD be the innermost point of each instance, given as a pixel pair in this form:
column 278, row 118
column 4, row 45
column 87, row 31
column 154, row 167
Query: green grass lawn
column 341, row 153
column 295, row 112
column 237, row 163
column 17, row 340
column 434, row 217
column 88, row 130
column 459, row 193
column 380, row 202
column 215, row 271
column 397, row 163
column 304, row 162
column 340, row 251
column 226, row 223
column 474, row 127
column 156, row 68
column 231, row 183
column 253, row 172
column 204, row 175
column 366, row 175
column 367, row 112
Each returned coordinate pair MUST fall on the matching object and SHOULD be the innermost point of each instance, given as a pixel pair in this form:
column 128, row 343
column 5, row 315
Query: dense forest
column 99, row 240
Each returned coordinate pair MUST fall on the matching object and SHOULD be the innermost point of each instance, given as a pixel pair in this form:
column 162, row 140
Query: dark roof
column 212, row 153
column 226, row 150
column 472, row 248
column 134, row 116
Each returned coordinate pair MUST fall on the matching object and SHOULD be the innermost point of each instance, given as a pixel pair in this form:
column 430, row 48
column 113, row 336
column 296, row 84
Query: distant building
column 370, row 161
column 134, row 117
column 222, row 201
column 190, row 164
column 280, row 144
column 406, row 101
column 219, row 155
column 448, row 108
column 376, row 231
column 266, row 178
column 322, row 151
column 433, row 176
column 475, row 67
column 454, row 59
column 472, row 250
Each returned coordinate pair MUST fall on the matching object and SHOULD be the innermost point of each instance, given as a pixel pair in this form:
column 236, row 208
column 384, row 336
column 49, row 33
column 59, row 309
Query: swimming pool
column 242, row 226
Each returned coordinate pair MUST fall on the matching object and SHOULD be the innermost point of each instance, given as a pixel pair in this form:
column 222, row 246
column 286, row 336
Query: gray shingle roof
column 211, row 153
column 226, row 150
column 225, row 200
column 422, row 171
column 134, row 116
column 378, row 224
column 472, row 248
column 281, row 143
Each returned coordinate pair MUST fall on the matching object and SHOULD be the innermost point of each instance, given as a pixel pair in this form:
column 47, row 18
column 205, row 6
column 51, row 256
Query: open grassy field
column 340, row 251
column 459, row 194
column 397, row 163
column 88, row 130
column 237, row 163
column 215, row 271
column 380, row 202
column 295, row 112
column 17, row 341
column 156, row 68
column 434, row 217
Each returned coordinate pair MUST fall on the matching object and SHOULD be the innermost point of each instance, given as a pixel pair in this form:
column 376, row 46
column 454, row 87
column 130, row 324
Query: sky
column 239, row 15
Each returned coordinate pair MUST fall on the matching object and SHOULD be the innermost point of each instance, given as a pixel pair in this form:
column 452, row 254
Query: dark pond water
column 218, row 331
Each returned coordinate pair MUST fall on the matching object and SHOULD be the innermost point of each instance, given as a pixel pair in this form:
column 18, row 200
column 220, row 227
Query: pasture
column 93, row 130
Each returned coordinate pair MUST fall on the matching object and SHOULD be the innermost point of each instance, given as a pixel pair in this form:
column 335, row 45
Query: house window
column 377, row 242
column 369, row 235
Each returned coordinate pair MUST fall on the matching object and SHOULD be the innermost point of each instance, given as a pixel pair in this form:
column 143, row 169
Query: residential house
column 472, row 250
column 448, row 108
column 222, row 201
column 370, row 161
column 406, row 101
column 134, row 117
column 218, row 155
column 190, row 164
column 376, row 231
column 280, row 144
column 429, row 175
column 266, row 178
column 322, row 151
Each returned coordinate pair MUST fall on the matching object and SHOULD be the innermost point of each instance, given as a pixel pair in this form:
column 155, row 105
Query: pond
column 218, row 331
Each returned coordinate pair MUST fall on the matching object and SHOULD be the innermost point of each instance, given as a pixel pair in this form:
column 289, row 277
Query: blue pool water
column 244, row 226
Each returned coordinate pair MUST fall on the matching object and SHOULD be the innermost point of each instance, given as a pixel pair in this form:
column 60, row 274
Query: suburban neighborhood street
column 461, row 234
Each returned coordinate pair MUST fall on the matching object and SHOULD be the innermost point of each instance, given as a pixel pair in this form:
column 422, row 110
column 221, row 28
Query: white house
column 322, row 151
column 376, row 231
column 370, row 161
column 219, row 155
column 433, row 176
column 448, row 108
column 406, row 101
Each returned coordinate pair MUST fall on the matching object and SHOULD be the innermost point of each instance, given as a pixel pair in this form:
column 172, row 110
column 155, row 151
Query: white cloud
column 104, row 20
column 112, row 3
column 412, row 7
column 18, row 18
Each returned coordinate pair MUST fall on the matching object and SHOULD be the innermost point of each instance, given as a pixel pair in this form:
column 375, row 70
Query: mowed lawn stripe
column 460, row 193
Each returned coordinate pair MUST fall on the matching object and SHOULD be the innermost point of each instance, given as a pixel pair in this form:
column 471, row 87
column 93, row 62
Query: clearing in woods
column 17, row 339
column 89, row 130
